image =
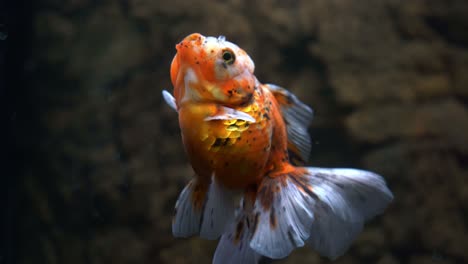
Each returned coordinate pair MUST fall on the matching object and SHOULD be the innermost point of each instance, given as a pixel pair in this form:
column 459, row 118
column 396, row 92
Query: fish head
column 212, row 69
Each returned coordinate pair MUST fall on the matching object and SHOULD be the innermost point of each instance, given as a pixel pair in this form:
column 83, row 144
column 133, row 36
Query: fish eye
column 228, row 57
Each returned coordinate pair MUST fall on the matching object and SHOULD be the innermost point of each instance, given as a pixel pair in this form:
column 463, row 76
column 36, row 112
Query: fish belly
column 234, row 150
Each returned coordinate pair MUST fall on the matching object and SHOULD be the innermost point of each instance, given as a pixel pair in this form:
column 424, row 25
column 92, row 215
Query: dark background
column 93, row 161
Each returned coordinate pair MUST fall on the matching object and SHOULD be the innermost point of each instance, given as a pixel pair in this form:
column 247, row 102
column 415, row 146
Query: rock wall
column 387, row 80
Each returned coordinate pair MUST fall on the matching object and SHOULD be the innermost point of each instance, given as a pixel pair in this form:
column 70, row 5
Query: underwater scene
column 237, row 131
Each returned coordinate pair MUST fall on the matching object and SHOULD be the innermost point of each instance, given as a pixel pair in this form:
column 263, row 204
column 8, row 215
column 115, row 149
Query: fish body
column 244, row 137
column 236, row 150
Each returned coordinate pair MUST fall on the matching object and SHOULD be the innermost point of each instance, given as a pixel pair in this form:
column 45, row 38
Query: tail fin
column 234, row 248
column 348, row 198
column 202, row 209
column 325, row 208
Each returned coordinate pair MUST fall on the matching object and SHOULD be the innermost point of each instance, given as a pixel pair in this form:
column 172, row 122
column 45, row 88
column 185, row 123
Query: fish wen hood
column 209, row 69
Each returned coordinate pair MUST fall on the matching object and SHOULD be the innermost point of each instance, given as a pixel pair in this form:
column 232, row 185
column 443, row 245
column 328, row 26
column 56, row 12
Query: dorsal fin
column 297, row 117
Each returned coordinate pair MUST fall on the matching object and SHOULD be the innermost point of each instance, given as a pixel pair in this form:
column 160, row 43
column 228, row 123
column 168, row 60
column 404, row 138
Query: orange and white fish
column 244, row 139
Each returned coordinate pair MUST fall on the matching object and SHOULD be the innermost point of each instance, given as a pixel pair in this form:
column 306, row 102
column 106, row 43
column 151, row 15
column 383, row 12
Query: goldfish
column 247, row 143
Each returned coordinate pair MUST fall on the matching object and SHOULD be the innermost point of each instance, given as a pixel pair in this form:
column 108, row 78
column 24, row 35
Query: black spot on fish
column 272, row 218
column 301, row 182
column 361, row 198
column 255, row 223
column 340, row 185
column 239, row 229
column 262, row 191
column 248, row 98
column 202, row 216
column 218, row 142
column 291, row 237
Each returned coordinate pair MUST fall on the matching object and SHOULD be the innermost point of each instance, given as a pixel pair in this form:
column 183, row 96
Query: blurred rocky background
column 100, row 157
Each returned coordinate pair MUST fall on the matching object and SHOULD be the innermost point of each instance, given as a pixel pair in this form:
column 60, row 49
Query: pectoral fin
column 226, row 113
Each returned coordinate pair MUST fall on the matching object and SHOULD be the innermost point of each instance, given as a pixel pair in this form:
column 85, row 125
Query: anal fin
column 218, row 211
column 203, row 208
column 188, row 209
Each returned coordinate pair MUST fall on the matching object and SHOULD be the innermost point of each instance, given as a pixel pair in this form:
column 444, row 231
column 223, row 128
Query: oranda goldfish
column 245, row 140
